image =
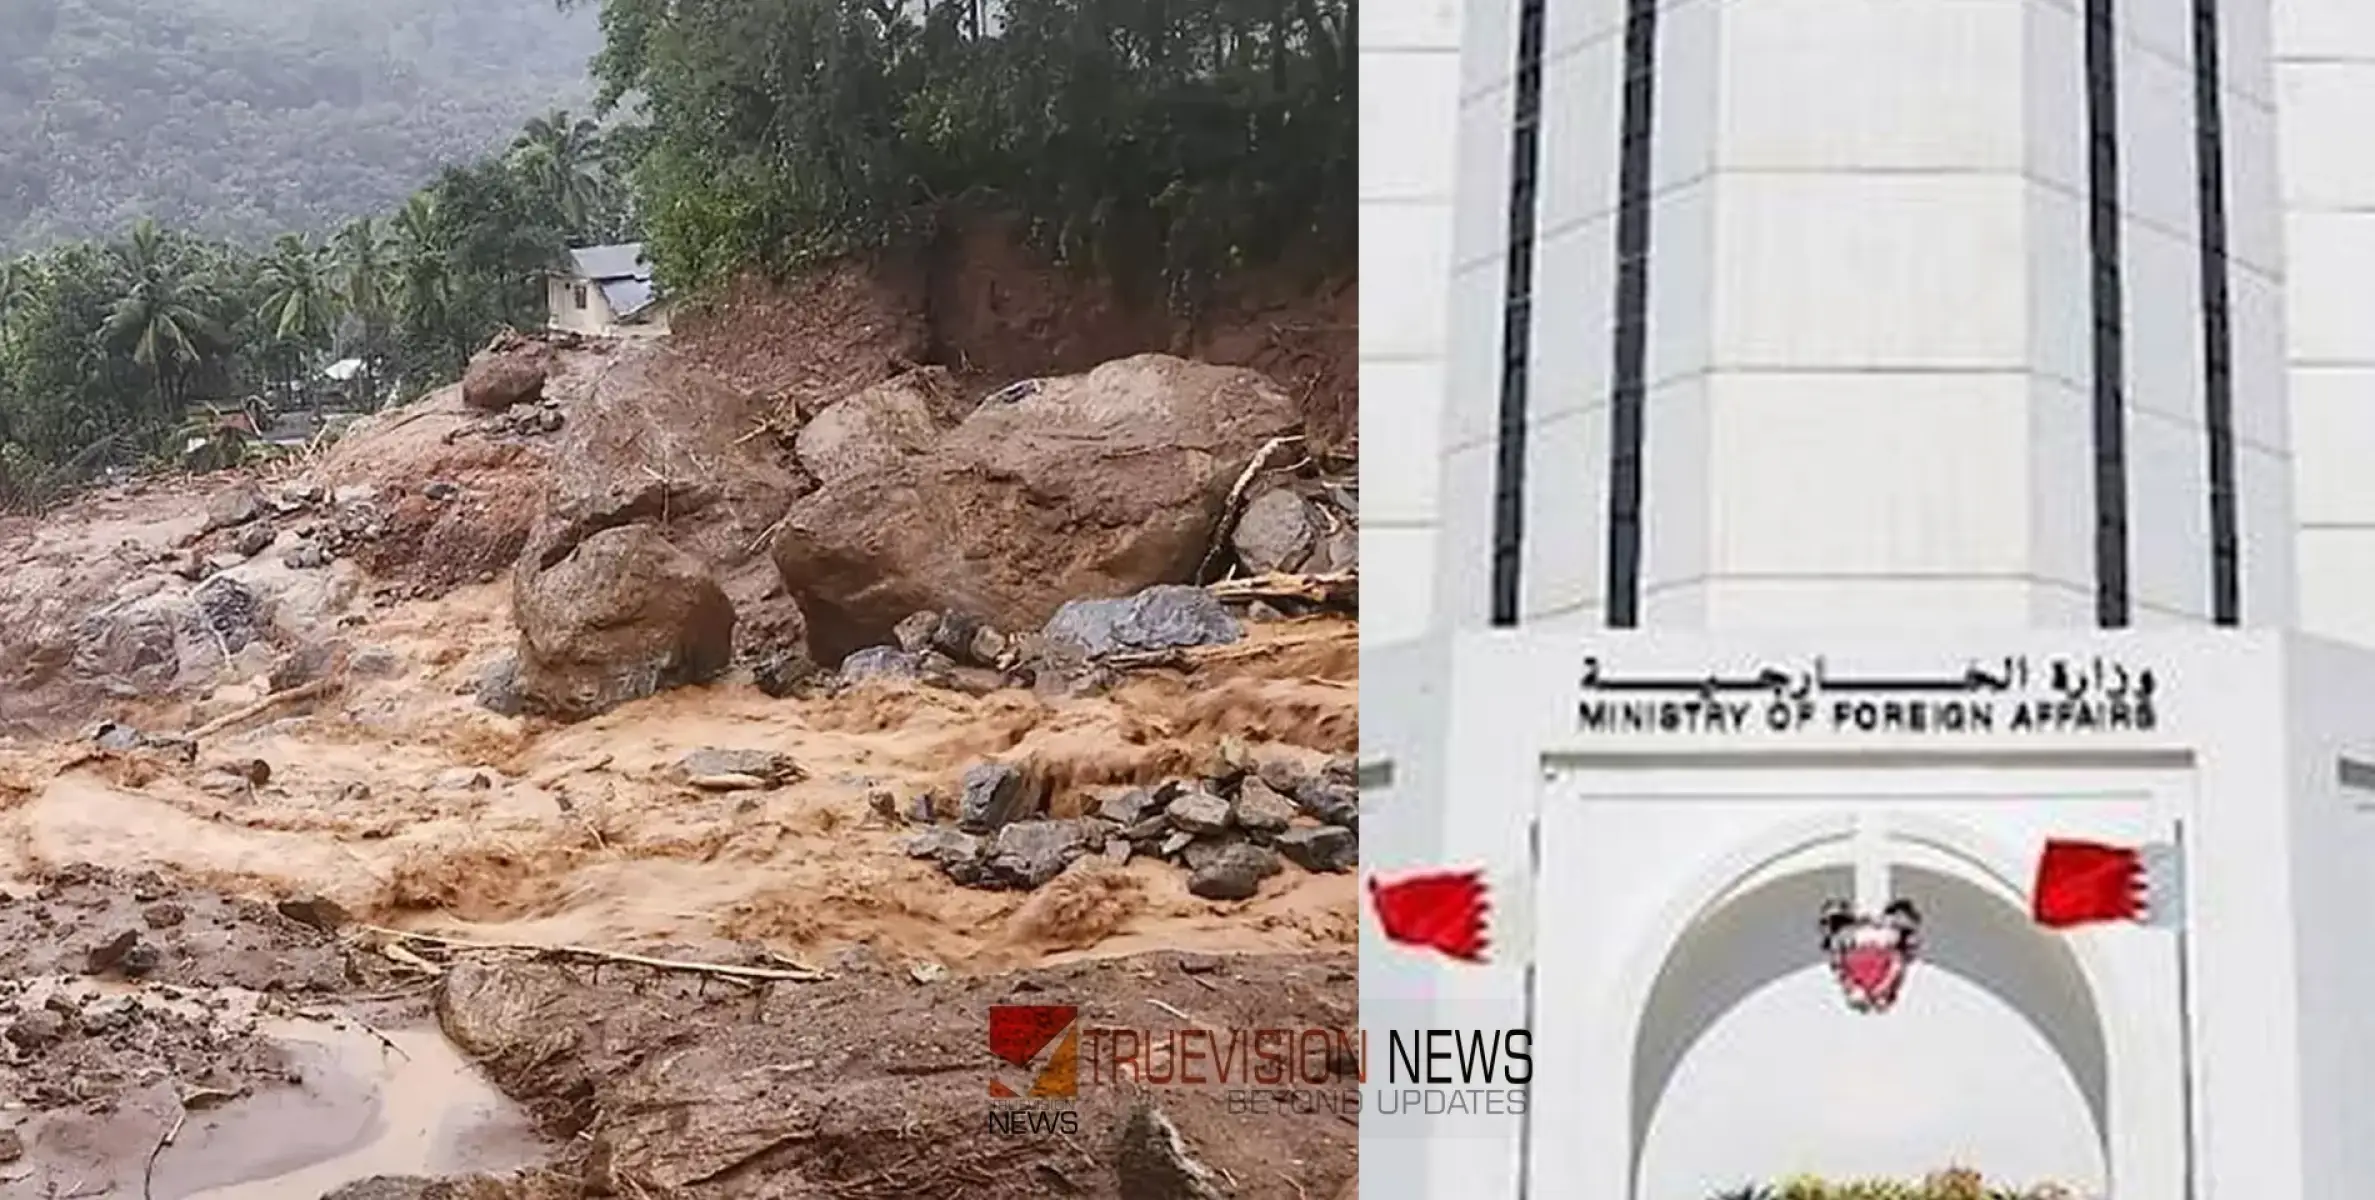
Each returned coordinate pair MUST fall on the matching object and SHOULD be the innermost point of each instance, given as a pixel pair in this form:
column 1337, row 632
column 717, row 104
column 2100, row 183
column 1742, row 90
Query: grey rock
column 1339, row 552
column 920, row 810
column 37, row 1030
column 915, row 634
column 1343, row 770
column 881, row 662
column 781, row 673
column 317, row 912
column 234, row 506
column 550, row 420
column 1130, row 807
column 1276, row 532
column 1029, row 853
column 1199, row 812
column 1330, row 803
column 1164, row 617
column 1325, row 849
column 1174, row 842
column 374, row 662
column 109, row 1015
column 1117, row 850
column 988, row 647
column 227, row 610
column 764, row 765
column 253, row 539
column 1281, row 773
column 1236, row 874
column 1203, row 852
column 461, row 779
column 945, row 846
column 996, row 795
column 1260, row 810
column 441, row 491
column 12, row 1145
column 1146, row 833
column 952, row 635
column 112, row 736
column 125, row 952
column 305, row 555
column 498, row 687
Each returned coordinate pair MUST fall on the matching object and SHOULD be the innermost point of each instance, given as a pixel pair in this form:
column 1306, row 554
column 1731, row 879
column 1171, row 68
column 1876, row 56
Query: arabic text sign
column 2016, row 695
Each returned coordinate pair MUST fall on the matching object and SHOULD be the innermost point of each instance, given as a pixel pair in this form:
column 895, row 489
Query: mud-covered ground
column 151, row 975
column 312, row 917
column 228, row 1048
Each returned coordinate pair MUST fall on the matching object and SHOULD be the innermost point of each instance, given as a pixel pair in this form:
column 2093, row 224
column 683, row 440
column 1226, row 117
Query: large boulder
column 659, row 440
column 877, row 428
column 623, row 616
column 1090, row 485
column 511, row 370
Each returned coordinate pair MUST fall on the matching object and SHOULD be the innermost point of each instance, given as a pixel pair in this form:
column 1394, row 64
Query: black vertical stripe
column 2218, row 343
column 1628, row 395
column 2110, row 417
column 1517, row 317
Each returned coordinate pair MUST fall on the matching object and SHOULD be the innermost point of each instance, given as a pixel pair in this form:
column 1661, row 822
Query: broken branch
column 305, row 691
column 803, row 974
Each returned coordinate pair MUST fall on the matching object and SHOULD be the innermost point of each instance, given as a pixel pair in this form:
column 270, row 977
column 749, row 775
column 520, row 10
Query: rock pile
column 1232, row 829
column 1073, row 653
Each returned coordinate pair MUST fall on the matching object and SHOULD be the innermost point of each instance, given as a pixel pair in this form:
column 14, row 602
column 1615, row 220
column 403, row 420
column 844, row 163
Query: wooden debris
column 1337, row 591
column 726, row 782
column 794, row 974
column 275, row 700
column 1227, row 528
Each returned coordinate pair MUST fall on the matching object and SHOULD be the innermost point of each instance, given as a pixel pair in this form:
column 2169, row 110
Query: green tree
column 366, row 280
column 562, row 161
column 299, row 314
column 1155, row 142
column 162, row 317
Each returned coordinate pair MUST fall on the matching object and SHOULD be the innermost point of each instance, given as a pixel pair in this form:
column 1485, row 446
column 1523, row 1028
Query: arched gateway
column 1659, row 899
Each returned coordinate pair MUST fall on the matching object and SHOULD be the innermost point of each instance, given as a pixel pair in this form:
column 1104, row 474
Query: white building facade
column 1795, row 345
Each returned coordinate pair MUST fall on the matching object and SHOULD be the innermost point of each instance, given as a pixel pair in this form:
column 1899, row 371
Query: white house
column 1796, row 429
column 607, row 291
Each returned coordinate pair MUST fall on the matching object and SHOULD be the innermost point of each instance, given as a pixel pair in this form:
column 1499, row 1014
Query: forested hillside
column 246, row 119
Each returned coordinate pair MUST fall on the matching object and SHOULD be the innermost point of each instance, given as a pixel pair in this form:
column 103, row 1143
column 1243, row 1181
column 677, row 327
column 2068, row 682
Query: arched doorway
column 1748, row 1067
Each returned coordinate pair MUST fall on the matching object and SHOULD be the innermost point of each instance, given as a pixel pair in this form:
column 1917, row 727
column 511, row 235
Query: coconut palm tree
column 161, row 319
column 562, row 161
column 421, row 266
column 364, row 253
column 299, row 314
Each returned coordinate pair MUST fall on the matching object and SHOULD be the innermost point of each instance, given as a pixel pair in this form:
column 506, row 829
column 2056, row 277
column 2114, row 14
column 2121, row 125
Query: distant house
column 607, row 291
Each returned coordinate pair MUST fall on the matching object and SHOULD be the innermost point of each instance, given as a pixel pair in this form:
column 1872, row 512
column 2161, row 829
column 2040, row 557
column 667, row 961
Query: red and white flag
column 2088, row 883
column 1443, row 911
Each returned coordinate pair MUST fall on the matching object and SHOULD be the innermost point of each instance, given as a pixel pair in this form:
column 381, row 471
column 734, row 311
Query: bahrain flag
column 1442, row 911
column 2087, row 883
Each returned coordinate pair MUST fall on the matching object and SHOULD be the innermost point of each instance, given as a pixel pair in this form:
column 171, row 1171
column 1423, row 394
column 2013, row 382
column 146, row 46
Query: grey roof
column 627, row 297
column 605, row 263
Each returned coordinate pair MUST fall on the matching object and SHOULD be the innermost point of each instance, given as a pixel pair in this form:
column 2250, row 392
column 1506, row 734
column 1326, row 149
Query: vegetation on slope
column 1162, row 147
column 245, row 119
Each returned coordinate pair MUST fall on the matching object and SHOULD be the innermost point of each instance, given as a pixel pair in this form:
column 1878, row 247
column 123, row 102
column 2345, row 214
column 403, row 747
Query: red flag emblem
column 2081, row 883
column 1443, row 911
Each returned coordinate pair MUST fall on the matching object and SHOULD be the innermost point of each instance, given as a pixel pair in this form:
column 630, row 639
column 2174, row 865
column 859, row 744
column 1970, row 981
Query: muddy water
column 358, row 1107
column 365, row 1109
